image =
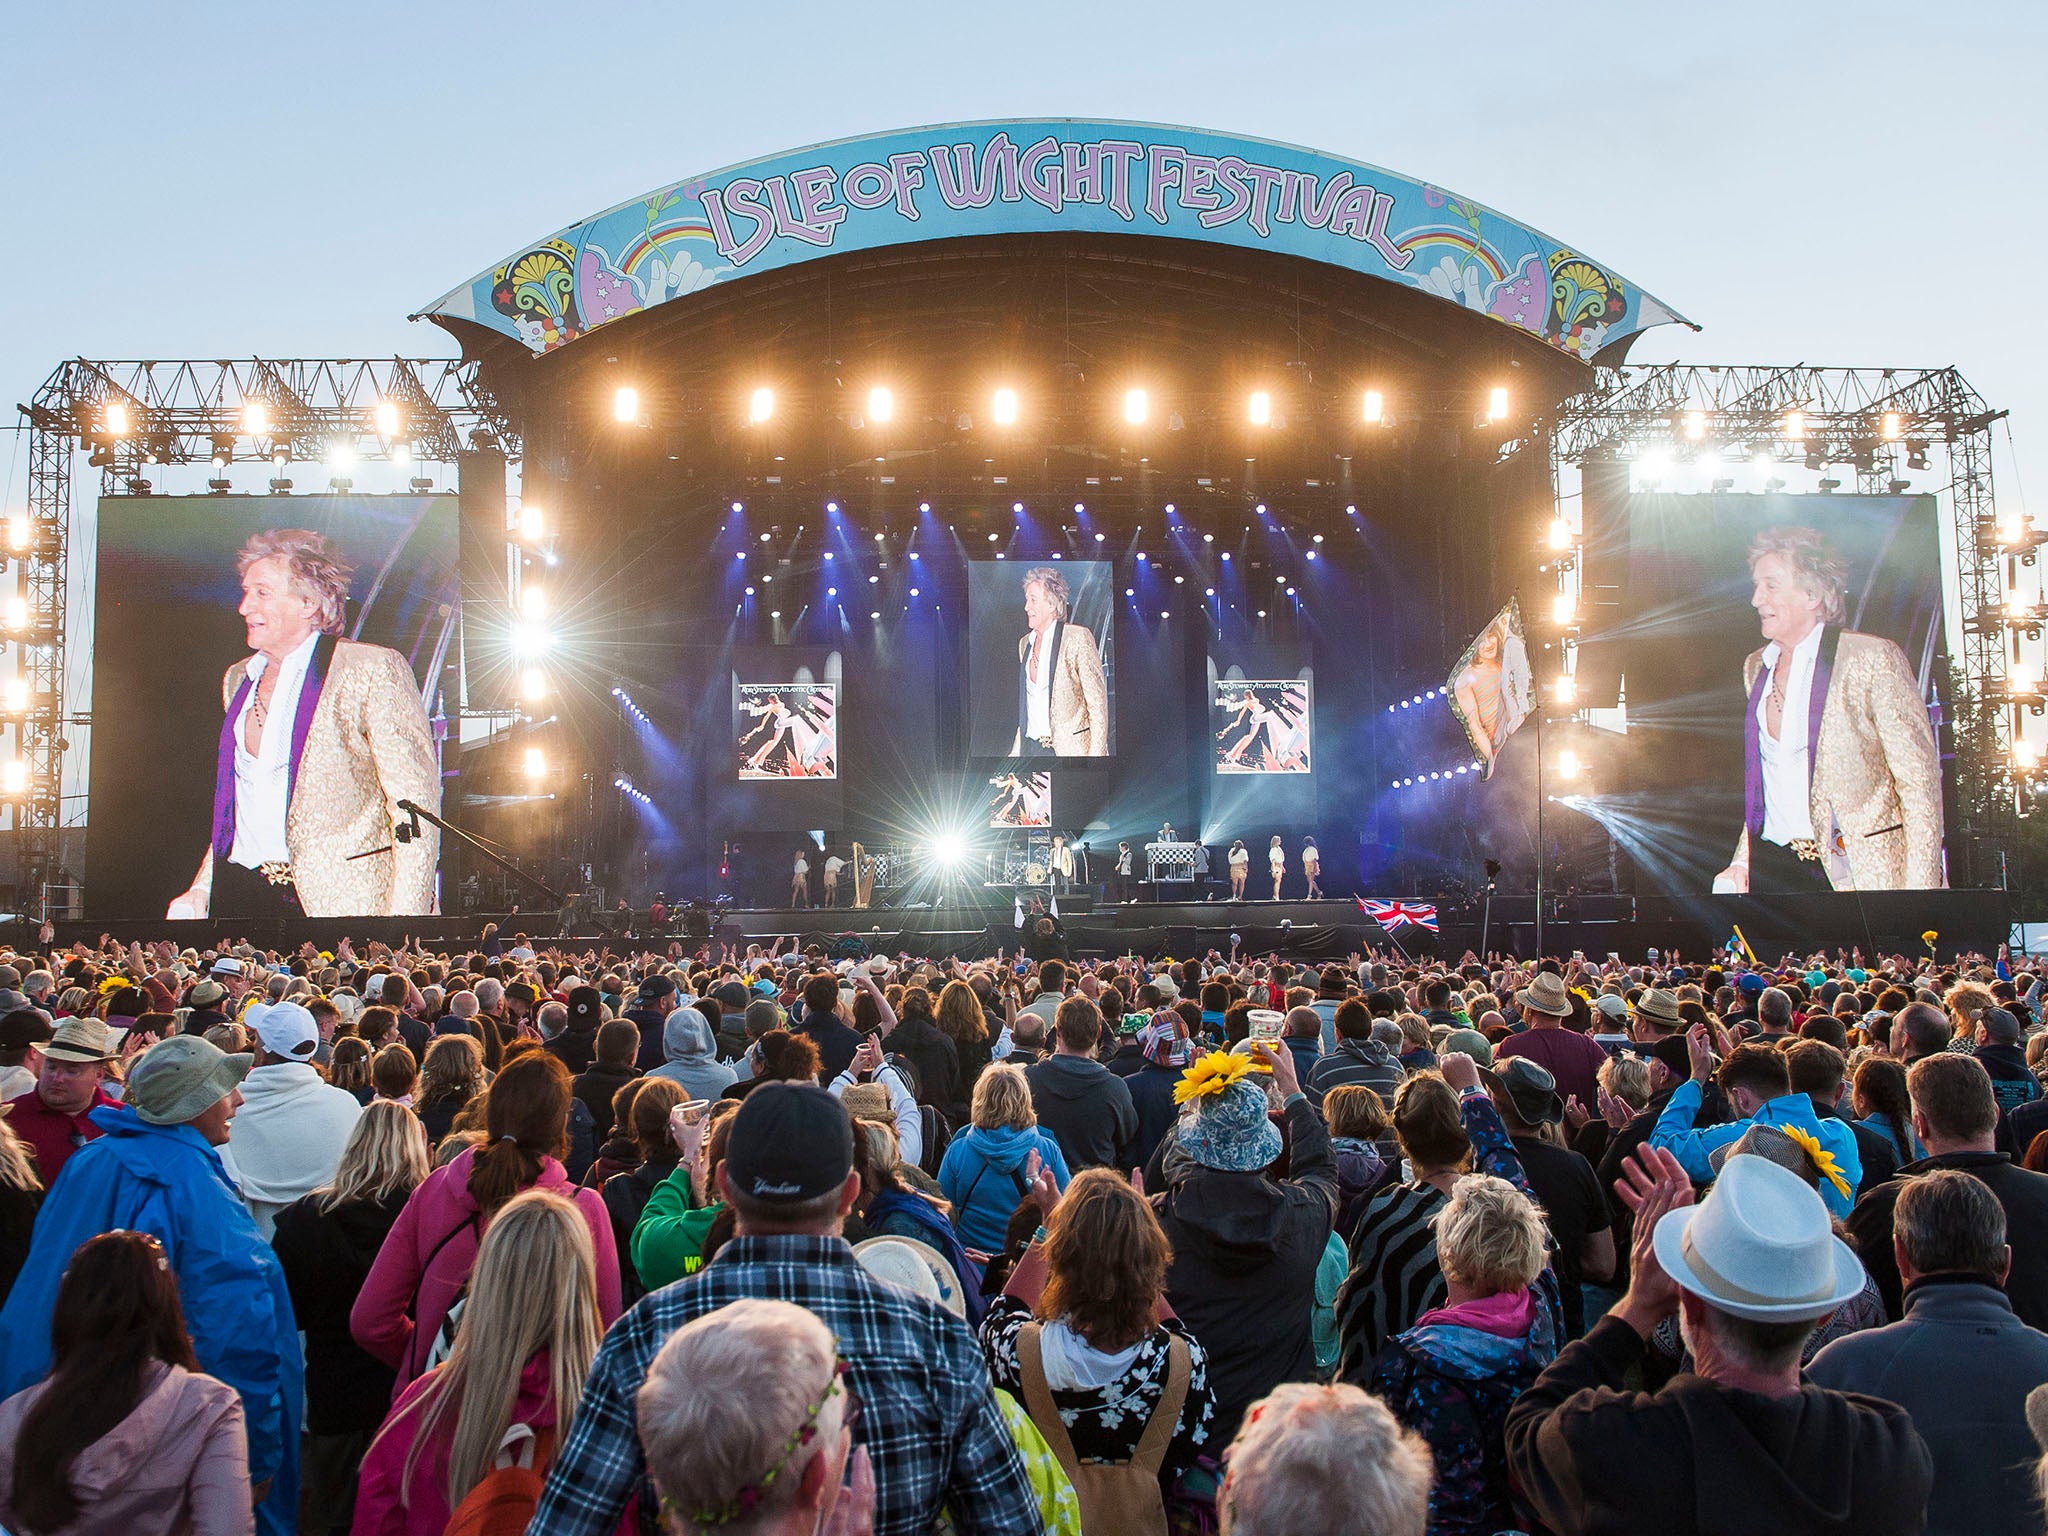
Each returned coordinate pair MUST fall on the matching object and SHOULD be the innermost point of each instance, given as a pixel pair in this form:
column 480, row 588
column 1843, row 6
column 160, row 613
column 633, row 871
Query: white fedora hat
column 1759, row 1246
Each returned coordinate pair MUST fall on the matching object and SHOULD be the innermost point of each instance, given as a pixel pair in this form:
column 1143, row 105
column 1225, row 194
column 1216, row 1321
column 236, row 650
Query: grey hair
column 1813, row 561
column 1949, row 1221
column 314, row 565
column 1324, row 1459
column 1774, row 1006
column 1054, row 581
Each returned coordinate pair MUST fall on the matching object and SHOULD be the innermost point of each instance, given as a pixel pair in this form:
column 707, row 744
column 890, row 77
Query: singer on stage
column 1062, row 699
column 323, row 737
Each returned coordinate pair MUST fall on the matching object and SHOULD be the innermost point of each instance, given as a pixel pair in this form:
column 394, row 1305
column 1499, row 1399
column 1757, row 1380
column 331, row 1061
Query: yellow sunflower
column 1822, row 1159
column 1213, row 1074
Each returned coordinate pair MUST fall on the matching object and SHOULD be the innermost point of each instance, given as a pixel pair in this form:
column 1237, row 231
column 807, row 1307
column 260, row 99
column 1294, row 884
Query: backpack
column 934, row 1129
column 1120, row 1496
column 504, row 1499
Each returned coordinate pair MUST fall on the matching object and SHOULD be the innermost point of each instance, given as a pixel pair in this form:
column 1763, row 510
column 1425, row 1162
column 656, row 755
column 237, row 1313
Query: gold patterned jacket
column 1876, row 797
column 1078, row 705
column 369, row 747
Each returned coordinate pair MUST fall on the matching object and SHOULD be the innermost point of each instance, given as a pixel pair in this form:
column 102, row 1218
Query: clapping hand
column 1652, row 1185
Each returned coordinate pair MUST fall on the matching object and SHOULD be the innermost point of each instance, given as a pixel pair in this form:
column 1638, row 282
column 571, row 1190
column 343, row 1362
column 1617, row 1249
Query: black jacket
column 576, row 1049
column 651, row 1025
column 933, row 1054
column 2025, row 1198
column 1128, row 1060
column 595, row 1085
column 1592, row 1458
column 1088, row 1110
column 17, row 1224
column 1243, row 1278
column 326, row 1256
column 625, row 1198
column 1152, row 1097
column 1880, row 1160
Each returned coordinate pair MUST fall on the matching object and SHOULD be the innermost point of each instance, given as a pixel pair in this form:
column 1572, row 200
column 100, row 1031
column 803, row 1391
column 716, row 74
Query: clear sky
column 1810, row 180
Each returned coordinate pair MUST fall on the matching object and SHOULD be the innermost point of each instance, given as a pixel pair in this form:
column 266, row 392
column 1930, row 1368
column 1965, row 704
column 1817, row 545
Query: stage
column 1883, row 922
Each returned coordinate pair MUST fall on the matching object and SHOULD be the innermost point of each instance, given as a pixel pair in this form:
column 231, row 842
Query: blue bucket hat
column 1230, row 1131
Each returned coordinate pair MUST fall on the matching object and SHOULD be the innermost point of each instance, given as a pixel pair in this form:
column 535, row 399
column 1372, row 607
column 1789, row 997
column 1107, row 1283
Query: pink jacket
column 179, row 1463
column 440, row 1224
column 379, row 1509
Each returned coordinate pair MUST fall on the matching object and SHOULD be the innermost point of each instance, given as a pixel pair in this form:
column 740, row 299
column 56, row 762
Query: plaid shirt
column 928, row 1414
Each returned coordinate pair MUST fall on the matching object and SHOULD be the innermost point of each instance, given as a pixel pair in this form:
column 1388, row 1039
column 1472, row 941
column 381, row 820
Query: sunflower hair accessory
column 114, row 984
column 1822, row 1159
column 1214, row 1074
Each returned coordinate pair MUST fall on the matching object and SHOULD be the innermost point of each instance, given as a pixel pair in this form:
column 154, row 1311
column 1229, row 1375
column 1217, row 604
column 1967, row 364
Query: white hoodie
column 287, row 1138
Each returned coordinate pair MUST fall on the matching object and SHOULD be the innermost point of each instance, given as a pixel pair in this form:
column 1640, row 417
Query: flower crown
column 1215, row 1074
column 749, row 1498
column 1822, row 1159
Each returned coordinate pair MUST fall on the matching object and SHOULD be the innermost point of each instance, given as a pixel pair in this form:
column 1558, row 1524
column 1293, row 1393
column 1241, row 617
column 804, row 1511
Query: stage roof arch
column 1051, row 176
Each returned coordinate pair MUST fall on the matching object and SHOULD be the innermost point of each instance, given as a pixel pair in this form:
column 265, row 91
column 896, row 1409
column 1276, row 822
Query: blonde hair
column 16, row 1171
column 1489, row 1239
column 314, row 567
column 534, row 1288
column 1824, row 573
column 1002, row 1099
column 724, row 1399
column 1053, row 581
column 1324, row 1459
column 1627, row 1077
column 386, row 1155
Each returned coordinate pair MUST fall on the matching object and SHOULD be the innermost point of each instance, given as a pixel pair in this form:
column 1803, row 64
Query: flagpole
column 1539, row 824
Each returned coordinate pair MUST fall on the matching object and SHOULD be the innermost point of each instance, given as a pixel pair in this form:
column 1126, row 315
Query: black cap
column 25, row 1027
column 1672, row 1051
column 657, row 985
column 586, row 1008
column 790, row 1142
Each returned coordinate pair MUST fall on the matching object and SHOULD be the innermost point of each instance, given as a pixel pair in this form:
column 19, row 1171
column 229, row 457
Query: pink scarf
column 1509, row 1314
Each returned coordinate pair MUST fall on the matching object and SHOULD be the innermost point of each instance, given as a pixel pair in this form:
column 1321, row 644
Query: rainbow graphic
column 659, row 238
column 1462, row 240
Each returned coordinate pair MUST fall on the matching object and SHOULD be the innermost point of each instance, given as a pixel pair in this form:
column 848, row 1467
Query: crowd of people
column 571, row 1241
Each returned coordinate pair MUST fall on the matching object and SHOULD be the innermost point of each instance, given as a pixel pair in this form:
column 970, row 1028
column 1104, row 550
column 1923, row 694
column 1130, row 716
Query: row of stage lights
column 1006, row 407
column 385, row 419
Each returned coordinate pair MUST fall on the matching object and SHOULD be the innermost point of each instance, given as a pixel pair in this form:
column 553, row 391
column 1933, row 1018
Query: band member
column 833, row 864
column 1840, row 777
column 322, row 738
column 1122, row 875
column 800, row 880
column 1062, row 862
column 1312, row 866
column 1166, row 834
column 1062, row 700
column 1240, row 862
column 1276, row 856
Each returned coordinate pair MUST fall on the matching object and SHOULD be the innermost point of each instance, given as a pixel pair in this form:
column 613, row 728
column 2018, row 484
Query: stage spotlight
column 1259, row 409
column 913, row 554
column 1099, row 538
column 625, row 403
column 1002, row 407
column 386, row 416
column 17, row 696
column 17, row 532
column 1560, row 534
column 1312, row 553
column 1260, row 509
column 1137, row 406
column 1496, row 403
column 255, row 418
column 1375, row 406
column 881, row 538
column 760, row 404
column 17, row 613
column 533, row 521
column 1130, row 591
column 117, row 420
column 1561, row 608
column 533, row 685
column 536, row 763
column 831, row 591
column 750, row 591
column 775, row 613
column 1208, row 591
column 873, row 579
column 1890, row 425
column 1262, row 613
column 1178, row 580
column 1566, row 689
column 1567, row 764
column 530, row 639
column 1695, row 426
column 948, row 851
column 828, row 554
column 874, row 613
column 1208, row 538
column 913, row 592
column 1165, row 614
column 533, row 602
column 992, row 538
column 833, row 508
column 340, row 455
column 881, row 403
column 1226, row 554
column 1795, row 426
column 2026, row 753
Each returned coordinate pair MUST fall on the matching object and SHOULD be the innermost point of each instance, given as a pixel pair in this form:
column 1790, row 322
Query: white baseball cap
column 286, row 1029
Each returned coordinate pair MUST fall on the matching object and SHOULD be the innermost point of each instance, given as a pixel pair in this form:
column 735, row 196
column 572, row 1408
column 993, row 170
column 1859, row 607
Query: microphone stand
column 411, row 830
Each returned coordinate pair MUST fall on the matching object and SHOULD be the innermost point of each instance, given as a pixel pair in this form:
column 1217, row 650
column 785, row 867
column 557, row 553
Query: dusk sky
column 1827, row 183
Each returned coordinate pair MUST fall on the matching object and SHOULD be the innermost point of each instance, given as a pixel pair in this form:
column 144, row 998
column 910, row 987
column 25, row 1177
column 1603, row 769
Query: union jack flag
column 1393, row 914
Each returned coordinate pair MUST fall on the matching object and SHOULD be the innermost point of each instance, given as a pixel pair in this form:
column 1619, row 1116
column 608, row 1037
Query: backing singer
column 1842, row 786
column 323, row 737
column 1062, row 701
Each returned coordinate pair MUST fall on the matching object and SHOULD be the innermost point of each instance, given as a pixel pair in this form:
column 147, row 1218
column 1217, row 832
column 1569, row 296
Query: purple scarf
column 1752, row 730
column 302, row 727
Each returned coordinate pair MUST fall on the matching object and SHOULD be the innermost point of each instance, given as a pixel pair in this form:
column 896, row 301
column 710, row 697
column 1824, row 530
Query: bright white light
column 255, row 417
column 761, row 404
column 1890, row 426
column 626, row 403
column 1560, row 534
column 1654, row 464
column 387, row 418
column 2026, row 753
column 533, row 602
column 1259, row 409
column 17, row 532
column 536, row 763
column 1375, row 406
column 2009, row 531
column 14, row 776
column 117, row 419
column 1561, row 608
column 1003, row 407
column 533, row 521
column 1567, row 690
column 881, row 403
column 2019, row 678
column 1496, row 403
column 1795, row 426
column 1137, row 406
column 949, row 850
column 1695, row 426
column 341, row 455
column 1567, row 764
column 533, row 685
column 17, row 695
column 531, row 640
column 17, row 613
